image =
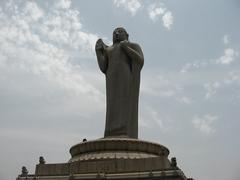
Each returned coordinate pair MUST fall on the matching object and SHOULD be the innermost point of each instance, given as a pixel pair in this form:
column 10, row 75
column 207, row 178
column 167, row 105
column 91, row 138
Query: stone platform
column 112, row 158
column 117, row 148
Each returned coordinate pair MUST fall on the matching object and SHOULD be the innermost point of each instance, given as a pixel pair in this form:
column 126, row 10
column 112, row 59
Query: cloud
column 167, row 19
column 233, row 77
column 228, row 57
column 131, row 6
column 163, row 122
column 65, row 28
column 193, row 65
column 46, row 136
column 45, row 42
column 162, row 87
column 211, row 89
column 185, row 100
column 32, row 11
column 44, row 90
column 204, row 124
column 63, row 4
column 165, row 87
column 226, row 39
column 158, row 11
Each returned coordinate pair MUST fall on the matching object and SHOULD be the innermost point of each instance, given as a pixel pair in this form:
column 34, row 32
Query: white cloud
column 185, row 100
column 156, row 12
column 64, row 27
column 32, row 11
column 226, row 39
column 186, row 67
column 162, row 87
column 159, row 11
column 211, row 89
column 130, row 5
column 165, row 87
column 163, row 122
column 205, row 123
column 44, row 42
column 233, row 77
column 63, row 4
column 193, row 65
column 167, row 19
column 228, row 57
column 224, row 83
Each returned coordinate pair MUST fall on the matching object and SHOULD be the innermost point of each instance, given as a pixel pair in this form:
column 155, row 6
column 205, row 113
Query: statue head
column 119, row 34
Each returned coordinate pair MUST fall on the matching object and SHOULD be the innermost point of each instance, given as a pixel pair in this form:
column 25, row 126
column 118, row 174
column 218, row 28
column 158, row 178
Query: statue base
column 112, row 158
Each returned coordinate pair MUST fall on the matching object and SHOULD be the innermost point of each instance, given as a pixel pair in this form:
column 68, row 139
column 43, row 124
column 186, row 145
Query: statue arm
column 133, row 51
column 100, row 49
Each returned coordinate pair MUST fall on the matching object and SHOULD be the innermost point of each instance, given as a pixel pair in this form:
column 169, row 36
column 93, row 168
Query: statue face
column 119, row 34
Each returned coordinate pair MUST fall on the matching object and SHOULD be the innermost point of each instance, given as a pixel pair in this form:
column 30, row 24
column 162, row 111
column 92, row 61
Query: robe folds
column 122, row 71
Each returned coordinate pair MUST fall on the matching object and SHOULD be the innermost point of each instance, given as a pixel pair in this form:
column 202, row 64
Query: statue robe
column 122, row 70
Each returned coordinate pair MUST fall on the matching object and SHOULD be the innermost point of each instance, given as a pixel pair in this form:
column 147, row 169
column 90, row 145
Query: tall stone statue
column 125, row 158
column 121, row 63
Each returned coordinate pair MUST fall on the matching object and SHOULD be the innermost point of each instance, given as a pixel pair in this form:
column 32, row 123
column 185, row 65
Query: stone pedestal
column 112, row 158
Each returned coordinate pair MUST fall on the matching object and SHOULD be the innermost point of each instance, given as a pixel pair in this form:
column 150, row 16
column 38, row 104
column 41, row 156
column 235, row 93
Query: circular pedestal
column 116, row 148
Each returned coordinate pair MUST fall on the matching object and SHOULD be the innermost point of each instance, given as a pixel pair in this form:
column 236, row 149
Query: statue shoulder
column 134, row 45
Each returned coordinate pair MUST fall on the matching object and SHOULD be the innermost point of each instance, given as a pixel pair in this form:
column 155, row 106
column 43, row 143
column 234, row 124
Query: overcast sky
column 52, row 93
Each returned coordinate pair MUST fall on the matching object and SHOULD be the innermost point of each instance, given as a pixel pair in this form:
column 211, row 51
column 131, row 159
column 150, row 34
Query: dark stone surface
column 111, row 156
column 118, row 166
column 24, row 171
column 147, row 175
column 42, row 160
column 117, row 148
column 52, row 169
column 121, row 63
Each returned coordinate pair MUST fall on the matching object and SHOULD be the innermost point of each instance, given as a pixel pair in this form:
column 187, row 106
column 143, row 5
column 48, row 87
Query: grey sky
column 52, row 94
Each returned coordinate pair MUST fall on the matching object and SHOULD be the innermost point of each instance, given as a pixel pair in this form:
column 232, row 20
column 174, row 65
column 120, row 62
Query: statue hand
column 99, row 45
column 124, row 43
